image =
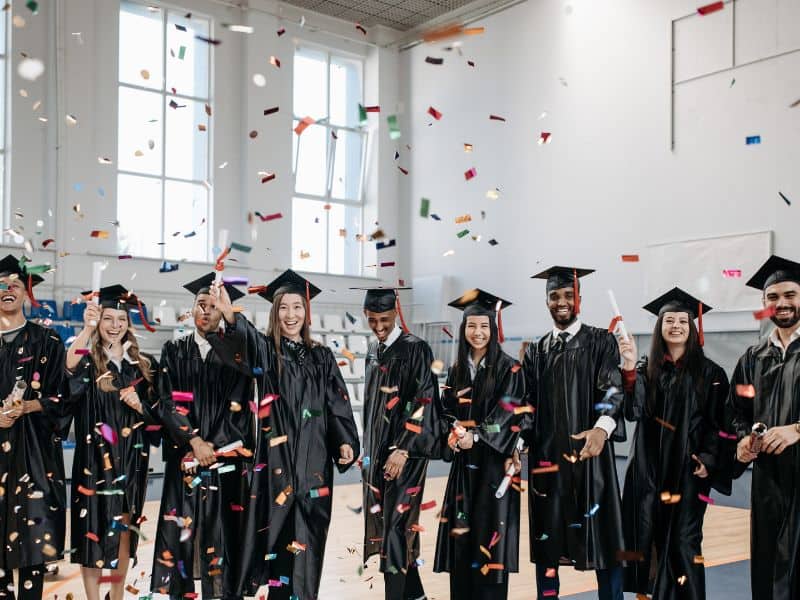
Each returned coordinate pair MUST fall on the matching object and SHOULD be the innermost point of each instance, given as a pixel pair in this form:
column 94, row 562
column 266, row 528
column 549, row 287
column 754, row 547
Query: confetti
column 383, row 245
column 304, row 123
column 268, row 177
column 493, row 242
column 424, row 208
column 182, row 396
column 463, row 219
column 764, row 313
column 470, row 173
column 275, row 62
column 706, row 499
column 752, row 139
column 434, row 113
column 727, row 436
column 462, row 233
column 277, row 441
column 497, row 118
column 630, row 258
column 271, row 111
column 745, row 390
column 360, row 27
column 30, row 68
column 433, row 60
column 710, row 8
column 781, row 194
column 394, row 128
column 543, row 470
column 544, row 138
column 731, row 273
column 168, row 267
column 99, row 234
column 664, row 424
column 403, row 171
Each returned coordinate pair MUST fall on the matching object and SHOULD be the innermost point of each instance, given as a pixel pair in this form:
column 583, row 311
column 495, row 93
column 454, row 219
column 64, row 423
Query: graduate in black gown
column 119, row 400
column 200, row 520
column 764, row 390
column 574, row 385
column 677, row 399
column 32, row 422
column 483, row 403
column 402, row 430
column 305, row 427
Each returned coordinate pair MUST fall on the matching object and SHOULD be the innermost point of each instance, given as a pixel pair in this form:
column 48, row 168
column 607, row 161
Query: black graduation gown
column 33, row 499
column 469, row 499
column 212, row 501
column 575, row 512
column 401, row 410
column 109, row 478
column 775, row 487
column 291, row 491
column 660, row 461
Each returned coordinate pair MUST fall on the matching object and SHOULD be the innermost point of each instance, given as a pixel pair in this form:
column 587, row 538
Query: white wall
column 46, row 159
column 608, row 183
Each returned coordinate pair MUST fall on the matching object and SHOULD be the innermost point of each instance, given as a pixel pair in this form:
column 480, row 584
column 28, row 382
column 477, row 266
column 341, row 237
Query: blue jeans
column 609, row 583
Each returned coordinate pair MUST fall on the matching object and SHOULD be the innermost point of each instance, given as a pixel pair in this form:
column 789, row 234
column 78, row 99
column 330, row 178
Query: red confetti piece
column 237, row 507
column 182, row 396
column 275, row 61
column 373, row 109
column 427, row 505
column 92, row 536
column 630, row 258
column 361, row 28
column 516, row 367
column 542, row 470
column 86, row 492
column 109, row 578
column 392, row 403
column 100, row 234
column 281, row 31
column 764, row 313
column 727, row 436
column 108, row 434
column 732, row 273
column 403, row 171
column 47, row 242
column 413, row 428
column 544, row 137
column 412, row 491
column 434, row 113
column 125, row 257
column 447, row 332
column 387, row 264
column 710, row 8
column 469, row 174
column 663, row 423
column 268, row 178
column 745, row 390
column 706, row 499
column 303, row 125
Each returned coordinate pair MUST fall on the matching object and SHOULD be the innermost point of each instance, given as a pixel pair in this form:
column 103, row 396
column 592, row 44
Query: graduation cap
column 203, row 286
column 775, row 270
column 677, row 300
column 118, row 297
column 12, row 266
column 382, row 299
column 561, row 277
column 477, row 302
column 289, row 282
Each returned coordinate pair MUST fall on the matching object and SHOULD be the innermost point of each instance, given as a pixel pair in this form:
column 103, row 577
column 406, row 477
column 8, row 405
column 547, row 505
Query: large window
column 328, row 157
column 5, row 209
column 163, row 196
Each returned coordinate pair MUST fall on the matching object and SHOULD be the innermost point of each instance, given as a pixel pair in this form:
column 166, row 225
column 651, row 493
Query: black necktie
column 381, row 350
column 561, row 341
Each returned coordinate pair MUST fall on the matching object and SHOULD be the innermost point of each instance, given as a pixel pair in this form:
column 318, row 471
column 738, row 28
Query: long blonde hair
column 104, row 380
column 274, row 329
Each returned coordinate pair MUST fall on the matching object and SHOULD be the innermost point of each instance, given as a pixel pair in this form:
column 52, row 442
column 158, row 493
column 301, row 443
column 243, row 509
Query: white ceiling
column 401, row 15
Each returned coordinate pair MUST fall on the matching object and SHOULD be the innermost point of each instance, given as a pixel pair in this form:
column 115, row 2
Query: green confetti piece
column 394, row 128
column 241, row 247
column 362, row 116
column 226, row 469
column 492, row 428
column 307, row 414
column 462, row 233
column 38, row 269
column 182, row 52
column 424, row 208
column 33, row 6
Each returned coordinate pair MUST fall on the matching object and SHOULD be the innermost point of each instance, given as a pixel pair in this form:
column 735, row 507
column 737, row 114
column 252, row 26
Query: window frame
column 165, row 94
column 330, row 153
column 5, row 188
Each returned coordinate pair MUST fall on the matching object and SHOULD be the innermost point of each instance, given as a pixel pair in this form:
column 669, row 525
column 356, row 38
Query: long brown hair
column 100, row 360
column 274, row 329
column 692, row 359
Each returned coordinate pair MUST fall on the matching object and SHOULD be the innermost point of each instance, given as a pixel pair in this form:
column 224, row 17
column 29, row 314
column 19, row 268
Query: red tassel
column 34, row 302
column 614, row 322
column 308, row 305
column 576, row 292
column 500, row 337
column 400, row 312
column 700, row 335
column 143, row 316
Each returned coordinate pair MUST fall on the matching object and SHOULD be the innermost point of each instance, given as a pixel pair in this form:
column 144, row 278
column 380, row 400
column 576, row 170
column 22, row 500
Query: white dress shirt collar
column 202, row 344
column 775, row 340
column 392, row 338
column 118, row 363
column 572, row 330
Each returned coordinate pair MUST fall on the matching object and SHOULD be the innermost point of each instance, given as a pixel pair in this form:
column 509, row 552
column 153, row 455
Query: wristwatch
column 477, row 438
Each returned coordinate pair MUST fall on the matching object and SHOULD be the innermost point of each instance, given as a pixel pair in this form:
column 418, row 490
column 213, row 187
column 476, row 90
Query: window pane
column 347, row 165
column 310, row 80
column 3, row 25
column 2, row 98
column 312, row 161
column 187, row 57
column 139, row 129
column 343, row 250
column 141, row 43
column 186, row 145
column 139, row 215
column 345, row 91
column 308, row 235
column 185, row 212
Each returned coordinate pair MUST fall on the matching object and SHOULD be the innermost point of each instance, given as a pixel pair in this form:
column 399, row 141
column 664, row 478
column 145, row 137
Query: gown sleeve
column 609, row 403
column 448, row 416
column 421, row 433
column 340, row 422
column 714, row 450
column 242, row 346
column 159, row 408
column 739, row 418
column 530, row 374
column 54, row 393
column 502, row 426
column 635, row 394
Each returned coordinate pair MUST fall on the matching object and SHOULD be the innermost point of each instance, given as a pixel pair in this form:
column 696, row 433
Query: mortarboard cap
column 676, row 300
column 775, row 270
column 479, row 302
column 291, row 283
column 561, row 277
column 203, row 286
column 380, row 299
column 11, row 266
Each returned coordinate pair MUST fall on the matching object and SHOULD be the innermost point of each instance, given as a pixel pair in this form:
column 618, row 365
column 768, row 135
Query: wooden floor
column 726, row 540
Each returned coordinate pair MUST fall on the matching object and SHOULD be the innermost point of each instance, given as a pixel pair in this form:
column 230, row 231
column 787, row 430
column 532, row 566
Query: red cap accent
column 700, row 323
column 34, row 302
column 576, row 292
column 308, row 304
column 614, row 322
column 143, row 316
column 500, row 337
column 400, row 312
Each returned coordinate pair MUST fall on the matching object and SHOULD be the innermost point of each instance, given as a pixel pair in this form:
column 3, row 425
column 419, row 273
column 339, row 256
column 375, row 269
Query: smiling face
column 381, row 323
column 785, row 298
column 206, row 315
column 291, row 315
column 478, row 332
column 12, row 297
column 561, row 304
column 113, row 326
column 675, row 327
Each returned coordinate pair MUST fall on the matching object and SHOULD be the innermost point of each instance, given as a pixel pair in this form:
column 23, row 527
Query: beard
column 786, row 322
column 563, row 320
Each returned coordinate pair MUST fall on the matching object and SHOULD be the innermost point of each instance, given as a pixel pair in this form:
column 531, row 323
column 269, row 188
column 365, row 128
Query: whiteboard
column 697, row 267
